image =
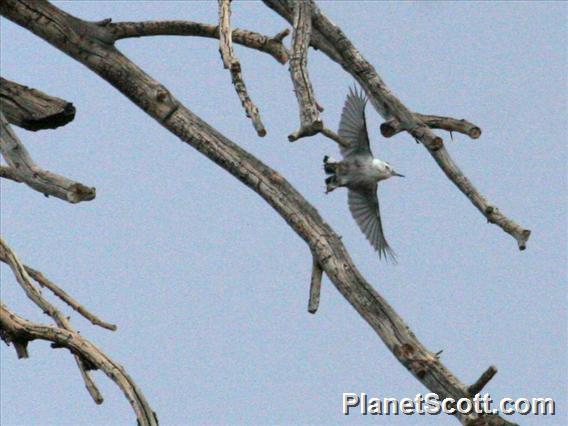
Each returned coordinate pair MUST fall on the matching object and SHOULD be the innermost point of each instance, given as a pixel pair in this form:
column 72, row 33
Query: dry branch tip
column 478, row 386
column 315, row 286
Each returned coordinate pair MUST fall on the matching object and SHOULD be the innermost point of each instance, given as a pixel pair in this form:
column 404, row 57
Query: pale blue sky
column 209, row 286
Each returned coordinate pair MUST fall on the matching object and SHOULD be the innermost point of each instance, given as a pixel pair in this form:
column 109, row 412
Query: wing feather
column 364, row 207
column 352, row 126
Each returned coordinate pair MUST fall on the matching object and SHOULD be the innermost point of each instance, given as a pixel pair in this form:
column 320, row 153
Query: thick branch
column 310, row 122
column 325, row 245
column 331, row 40
column 23, row 168
column 393, row 126
column 32, row 109
column 271, row 45
column 231, row 62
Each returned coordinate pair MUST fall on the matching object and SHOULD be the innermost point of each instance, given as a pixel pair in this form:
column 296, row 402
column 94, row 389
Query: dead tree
column 94, row 45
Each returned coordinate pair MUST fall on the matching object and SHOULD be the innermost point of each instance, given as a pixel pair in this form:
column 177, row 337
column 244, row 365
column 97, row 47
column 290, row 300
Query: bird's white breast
column 380, row 168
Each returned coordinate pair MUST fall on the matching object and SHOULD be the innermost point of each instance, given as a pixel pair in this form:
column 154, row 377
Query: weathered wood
column 9, row 173
column 87, row 356
column 32, row 109
column 483, row 380
column 330, row 39
column 22, row 167
column 21, row 329
column 231, row 63
column 315, row 287
column 393, row 126
column 310, row 122
column 65, row 297
column 271, row 45
column 324, row 243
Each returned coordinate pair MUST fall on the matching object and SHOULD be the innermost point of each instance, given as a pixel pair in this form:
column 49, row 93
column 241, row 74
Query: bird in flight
column 360, row 173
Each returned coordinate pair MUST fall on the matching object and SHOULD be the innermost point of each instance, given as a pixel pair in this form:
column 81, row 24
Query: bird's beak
column 397, row 174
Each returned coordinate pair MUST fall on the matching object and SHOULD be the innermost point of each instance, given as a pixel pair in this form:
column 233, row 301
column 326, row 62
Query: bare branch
column 392, row 127
column 32, row 109
column 482, row 381
column 87, row 356
column 23, row 168
column 331, row 40
column 231, row 62
column 310, row 122
column 62, row 294
column 22, row 277
column 315, row 286
column 271, row 45
column 15, row 328
column 324, row 244
column 492, row 213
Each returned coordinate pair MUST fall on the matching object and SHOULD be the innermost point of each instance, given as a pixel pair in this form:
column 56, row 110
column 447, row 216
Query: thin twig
column 231, row 62
column 310, row 122
column 62, row 294
column 41, row 180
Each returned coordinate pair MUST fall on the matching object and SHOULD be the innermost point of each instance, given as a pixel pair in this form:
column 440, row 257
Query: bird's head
column 385, row 169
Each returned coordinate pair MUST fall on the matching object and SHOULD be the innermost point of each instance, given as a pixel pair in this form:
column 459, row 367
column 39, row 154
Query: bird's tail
column 329, row 165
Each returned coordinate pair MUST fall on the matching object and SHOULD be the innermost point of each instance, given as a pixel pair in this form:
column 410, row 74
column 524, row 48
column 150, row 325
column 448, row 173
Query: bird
column 360, row 173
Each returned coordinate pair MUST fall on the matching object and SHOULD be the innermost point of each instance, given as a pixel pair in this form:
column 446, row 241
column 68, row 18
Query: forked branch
column 19, row 331
column 324, row 243
column 330, row 39
column 65, row 297
column 23, row 169
column 60, row 29
column 15, row 329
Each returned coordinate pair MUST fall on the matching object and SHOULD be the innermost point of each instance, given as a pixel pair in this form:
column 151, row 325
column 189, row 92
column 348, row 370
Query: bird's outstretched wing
column 364, row 206
column 352, row 126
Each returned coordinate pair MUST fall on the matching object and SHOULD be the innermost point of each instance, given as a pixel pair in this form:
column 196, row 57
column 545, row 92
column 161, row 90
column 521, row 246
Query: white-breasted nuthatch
column 360, row 173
